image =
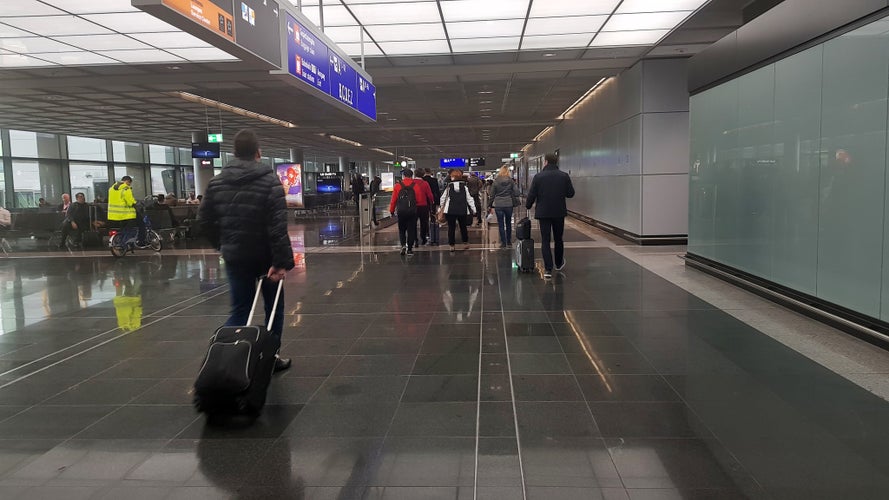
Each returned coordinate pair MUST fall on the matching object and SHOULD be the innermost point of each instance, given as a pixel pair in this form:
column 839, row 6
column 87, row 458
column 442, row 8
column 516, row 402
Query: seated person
column 161, row 200
column 171, row 200
column 41, row 203
column 77, row 220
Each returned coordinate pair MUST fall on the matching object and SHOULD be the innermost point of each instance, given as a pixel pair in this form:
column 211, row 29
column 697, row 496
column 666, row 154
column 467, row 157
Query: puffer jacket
column 503, row 192
column 244, row 213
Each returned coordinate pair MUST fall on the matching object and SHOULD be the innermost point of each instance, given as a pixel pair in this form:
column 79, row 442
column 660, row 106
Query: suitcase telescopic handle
column 256, row 300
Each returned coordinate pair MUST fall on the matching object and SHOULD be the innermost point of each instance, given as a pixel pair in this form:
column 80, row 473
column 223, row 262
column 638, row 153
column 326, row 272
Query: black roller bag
column 523, row 229
column 238, row 367
column 524, row 255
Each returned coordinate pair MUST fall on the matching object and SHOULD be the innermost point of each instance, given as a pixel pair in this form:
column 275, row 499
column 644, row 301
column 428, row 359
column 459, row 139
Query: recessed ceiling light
column 485, row 116
column 485, row 91
column 173, row 68
column 485, row 109
column 485, row 102
column 549, row 54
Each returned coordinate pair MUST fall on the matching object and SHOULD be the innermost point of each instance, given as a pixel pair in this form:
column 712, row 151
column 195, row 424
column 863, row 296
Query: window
column 186, row 182
column 89, row 179
column 140, row 182
column 85, row 148
column 162, row 154
column 185, row 156
column 130, row 152
column 33, row 144
column 2, row 187
column 163, row 179
column 35, row 179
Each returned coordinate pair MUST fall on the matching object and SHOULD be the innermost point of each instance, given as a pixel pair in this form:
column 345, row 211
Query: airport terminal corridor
column 447, row 375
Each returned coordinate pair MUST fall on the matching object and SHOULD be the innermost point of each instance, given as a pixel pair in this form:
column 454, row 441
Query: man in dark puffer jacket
column 244, row 214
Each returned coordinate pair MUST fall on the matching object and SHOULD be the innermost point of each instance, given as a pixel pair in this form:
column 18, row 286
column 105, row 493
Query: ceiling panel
column 630, row 6
column 552, row 25
column 103, row 42
column 401, row 32
column 485, row 44
column 556, row 41
column 618, row 38
column 554, row 8
column 77, row 58
column 651, row 21
column 27, row 8
column 403, row 12
column 56, row 25
column 480, row 10
column 34, row 45
column 478, row 29
column 92, row 6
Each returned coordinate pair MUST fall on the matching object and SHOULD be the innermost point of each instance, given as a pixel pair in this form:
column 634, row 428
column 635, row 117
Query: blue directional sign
column 312, row 61
column 307, row 56
column 343, row 81
column 367, row 98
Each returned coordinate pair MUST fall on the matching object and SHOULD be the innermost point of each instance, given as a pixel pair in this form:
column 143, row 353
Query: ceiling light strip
column 383, row 151
column 584, row 96
column 231, row 109
column 342, row 139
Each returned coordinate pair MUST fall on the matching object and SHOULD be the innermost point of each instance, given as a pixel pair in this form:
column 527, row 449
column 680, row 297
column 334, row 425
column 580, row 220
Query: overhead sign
column 312, row 61
column 215, row 15
column 476, row 162
column 214, row 137
column 257, row 28
column 513, row 155
column 452, row 162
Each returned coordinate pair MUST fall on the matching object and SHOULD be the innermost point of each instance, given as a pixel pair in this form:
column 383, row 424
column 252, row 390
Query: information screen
column 310, row 60
column 257, row 28
column 452, row 162
column 204, row 150
column 215, row 15
column 476, row 162
column 306, row 56
column 329, row 182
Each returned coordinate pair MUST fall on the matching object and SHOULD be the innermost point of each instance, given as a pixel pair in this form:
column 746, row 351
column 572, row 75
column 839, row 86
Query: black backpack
column 407, row 200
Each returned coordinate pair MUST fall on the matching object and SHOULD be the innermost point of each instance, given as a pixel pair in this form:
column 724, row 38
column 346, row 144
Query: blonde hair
column 503, row 172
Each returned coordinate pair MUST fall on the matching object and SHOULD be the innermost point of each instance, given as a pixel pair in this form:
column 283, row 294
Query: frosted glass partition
column 788, row 171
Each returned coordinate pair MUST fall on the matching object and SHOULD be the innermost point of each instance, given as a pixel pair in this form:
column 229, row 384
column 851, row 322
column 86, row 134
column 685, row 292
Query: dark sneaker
column 547, row 274
column 559, row 268
column 282, row 364
column 410, row 252
column 403, row 250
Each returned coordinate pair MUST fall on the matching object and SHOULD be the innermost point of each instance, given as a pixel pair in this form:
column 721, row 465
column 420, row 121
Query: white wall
column 626, row 148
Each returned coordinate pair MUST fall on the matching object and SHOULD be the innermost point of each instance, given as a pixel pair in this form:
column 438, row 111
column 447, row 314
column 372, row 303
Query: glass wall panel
column 35, row 179
column 798, row 165
column 89, row 179
column 140, row 179
column 186, row 182
column 3, row 201
column 163, row 180
column 127, row 152
column 855, row 88
column 33, row 144
column 755, row 170
column 789, row 171
column 86, row 148
column 165, row 155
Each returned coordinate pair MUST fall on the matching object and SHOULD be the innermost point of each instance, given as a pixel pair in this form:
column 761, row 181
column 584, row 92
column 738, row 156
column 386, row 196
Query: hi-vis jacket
column 121, row 204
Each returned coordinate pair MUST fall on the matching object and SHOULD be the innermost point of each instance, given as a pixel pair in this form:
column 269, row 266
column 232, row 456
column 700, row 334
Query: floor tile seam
column 315, row 392
column 88, row 340
column 478, row 400
column 509, row 374
column 589, row 409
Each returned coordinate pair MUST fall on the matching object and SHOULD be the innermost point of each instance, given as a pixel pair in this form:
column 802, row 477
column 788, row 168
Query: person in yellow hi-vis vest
column 122, row 209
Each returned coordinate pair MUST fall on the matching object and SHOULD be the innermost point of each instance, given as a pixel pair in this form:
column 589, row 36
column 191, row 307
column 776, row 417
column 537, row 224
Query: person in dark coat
column 77, row 220
column 357, row 191
column 374, row 191
column 549, row 190
column 244, row 213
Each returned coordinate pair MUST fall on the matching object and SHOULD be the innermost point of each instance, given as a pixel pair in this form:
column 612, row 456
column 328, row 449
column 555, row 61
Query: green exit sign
column 513, row 155
column 214, row 137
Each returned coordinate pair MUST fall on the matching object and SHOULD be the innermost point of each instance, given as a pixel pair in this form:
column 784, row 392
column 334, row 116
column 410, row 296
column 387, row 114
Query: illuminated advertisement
column 388, row 181
column 298, row 244
column 290, row 175
column 329, row 182
column 215, row 15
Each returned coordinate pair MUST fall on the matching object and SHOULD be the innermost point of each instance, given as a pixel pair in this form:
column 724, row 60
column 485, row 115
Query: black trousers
column 552, row 228
column 423, row 215
column 67, row 230
column 407, row 230
column 453, row 220
column 478, row 208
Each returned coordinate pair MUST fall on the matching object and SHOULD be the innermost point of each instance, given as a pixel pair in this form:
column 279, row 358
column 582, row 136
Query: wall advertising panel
column 388, row 181
column 290, row 175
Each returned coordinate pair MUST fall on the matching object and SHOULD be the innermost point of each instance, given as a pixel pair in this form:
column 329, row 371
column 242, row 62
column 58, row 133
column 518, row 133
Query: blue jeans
column 242, row 281
column 504, row 224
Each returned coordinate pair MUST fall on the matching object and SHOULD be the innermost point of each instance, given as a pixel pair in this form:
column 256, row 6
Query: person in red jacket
column 408, row 208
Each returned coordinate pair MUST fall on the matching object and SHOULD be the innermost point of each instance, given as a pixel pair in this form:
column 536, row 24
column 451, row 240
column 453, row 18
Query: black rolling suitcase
column 524, row 255
column 238, row 367
column 434, row 232
column 523, row 229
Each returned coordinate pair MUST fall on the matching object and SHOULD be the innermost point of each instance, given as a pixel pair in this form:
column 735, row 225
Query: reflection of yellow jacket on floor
column 129, row 312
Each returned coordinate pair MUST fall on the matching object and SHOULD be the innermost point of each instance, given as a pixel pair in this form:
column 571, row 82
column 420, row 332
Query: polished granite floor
column 442, row 376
